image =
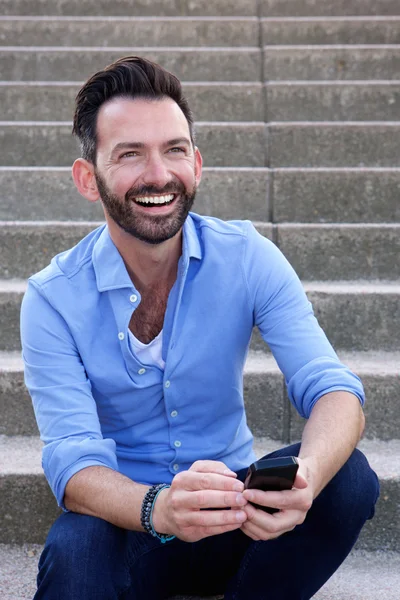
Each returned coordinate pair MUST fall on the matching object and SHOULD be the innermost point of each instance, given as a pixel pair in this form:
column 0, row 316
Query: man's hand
column 293, row 506
column 208, row 484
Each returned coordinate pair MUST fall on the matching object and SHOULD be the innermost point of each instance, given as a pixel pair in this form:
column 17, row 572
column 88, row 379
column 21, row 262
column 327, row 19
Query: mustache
column 149, row 190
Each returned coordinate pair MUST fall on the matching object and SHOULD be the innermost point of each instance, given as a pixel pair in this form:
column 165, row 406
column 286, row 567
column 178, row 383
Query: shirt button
column 142, row 371
column 167, row 384
column 174, row 413
column 177, row 444
column 175, row 467
column 133, row 298
column 121, row 335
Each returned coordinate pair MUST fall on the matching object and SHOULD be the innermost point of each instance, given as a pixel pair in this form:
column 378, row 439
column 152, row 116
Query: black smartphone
column 271, row 475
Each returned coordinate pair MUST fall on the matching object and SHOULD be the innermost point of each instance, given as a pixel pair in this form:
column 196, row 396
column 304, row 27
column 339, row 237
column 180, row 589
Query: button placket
column 173, row 413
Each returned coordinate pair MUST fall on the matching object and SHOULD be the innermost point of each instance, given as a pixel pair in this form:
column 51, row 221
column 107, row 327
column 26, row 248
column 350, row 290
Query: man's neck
column 148, row 265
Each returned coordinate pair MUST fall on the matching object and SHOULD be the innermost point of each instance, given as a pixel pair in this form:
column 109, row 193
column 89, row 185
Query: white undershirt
column 148, row 354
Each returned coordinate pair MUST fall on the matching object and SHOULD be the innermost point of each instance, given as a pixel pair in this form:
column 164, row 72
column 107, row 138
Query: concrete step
column 356, row 316
column 11, row 293
column 324, row 144
column 353, row 195
column 122, row 31
column 341, row 251
column 269, row 412
column 331, row 62
column 76, row 63
column 29, row 508
column 331, row 30
column 328, row 101
column 195, row 31
column 158, row 8
column 317, row 252
column 305, row 8
column 29, row 246
column 52, row 194
column 54, row 101
column 16, row 406
column 363, row 576
column 222, row 101
column 50, row 143
column 281, row 195
column 23, row 488
column 209, row 63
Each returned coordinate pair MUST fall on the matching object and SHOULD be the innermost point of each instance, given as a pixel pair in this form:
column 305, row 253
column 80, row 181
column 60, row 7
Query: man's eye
column 130, row 153
column 177, row 149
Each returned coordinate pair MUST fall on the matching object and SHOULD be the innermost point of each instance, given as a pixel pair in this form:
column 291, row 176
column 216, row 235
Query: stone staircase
column 297, row 104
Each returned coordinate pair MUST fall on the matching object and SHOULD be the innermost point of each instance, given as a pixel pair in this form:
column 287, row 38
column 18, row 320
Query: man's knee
column 74, row 536
column 353, row 491
column 82, row 552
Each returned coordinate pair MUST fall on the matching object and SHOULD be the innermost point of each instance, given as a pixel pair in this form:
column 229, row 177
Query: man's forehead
column 140, row 114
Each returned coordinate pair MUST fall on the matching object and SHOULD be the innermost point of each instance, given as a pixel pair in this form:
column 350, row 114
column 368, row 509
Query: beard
column 152, row 229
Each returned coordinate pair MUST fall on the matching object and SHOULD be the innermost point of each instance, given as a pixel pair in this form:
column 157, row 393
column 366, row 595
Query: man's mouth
column 155, row 200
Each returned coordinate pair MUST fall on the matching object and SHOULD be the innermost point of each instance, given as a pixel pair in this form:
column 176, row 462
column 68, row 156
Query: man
column 134, row 344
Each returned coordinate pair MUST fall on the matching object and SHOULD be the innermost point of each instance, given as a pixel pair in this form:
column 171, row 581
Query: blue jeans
column 86, row 558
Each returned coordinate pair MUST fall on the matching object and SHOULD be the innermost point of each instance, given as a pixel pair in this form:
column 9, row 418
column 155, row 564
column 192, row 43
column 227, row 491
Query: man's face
column 147, row 169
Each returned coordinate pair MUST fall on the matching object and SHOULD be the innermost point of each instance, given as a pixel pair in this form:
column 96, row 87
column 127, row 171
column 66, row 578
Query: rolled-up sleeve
column 287, row 323
column 61, row 393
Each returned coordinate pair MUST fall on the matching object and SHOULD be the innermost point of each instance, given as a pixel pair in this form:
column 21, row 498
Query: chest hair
column 148, row 319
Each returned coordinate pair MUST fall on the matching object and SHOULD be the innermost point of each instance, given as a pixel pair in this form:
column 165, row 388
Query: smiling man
column 134, row 344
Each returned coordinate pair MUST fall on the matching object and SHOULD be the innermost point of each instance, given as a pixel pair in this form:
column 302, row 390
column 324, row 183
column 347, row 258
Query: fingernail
column 240, row 499
column 241, row 515
column 238, row 486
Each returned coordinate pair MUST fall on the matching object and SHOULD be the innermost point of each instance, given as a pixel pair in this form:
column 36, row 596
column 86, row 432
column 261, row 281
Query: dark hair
column 131, row 77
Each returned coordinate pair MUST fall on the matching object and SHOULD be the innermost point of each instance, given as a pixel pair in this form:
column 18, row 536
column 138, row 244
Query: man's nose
column 156, row 172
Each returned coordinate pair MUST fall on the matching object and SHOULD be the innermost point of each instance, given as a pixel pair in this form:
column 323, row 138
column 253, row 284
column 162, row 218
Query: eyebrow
column 140, row 145
column 176, row 141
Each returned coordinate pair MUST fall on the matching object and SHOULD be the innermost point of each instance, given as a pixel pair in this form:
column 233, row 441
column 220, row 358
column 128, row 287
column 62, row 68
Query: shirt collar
column 191, row 242
column 110, row 269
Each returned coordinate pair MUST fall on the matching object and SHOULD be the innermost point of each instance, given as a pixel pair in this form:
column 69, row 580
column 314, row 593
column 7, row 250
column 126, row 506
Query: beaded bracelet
column 146, row 513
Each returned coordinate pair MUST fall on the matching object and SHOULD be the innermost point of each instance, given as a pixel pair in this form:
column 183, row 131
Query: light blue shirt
column 97, row 404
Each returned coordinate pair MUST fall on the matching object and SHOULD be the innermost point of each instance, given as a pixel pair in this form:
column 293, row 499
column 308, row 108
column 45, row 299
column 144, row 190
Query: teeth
column 155, row 199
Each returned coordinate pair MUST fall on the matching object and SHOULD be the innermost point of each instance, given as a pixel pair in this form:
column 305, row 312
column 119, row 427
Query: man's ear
column 198, row 165
column 84, row 179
